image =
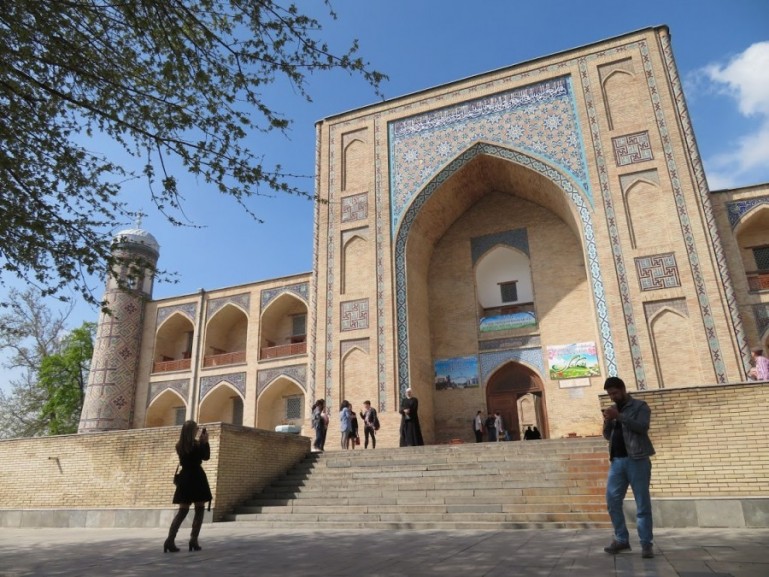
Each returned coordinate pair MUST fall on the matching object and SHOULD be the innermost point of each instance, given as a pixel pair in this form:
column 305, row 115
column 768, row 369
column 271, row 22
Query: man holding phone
column 626, row 427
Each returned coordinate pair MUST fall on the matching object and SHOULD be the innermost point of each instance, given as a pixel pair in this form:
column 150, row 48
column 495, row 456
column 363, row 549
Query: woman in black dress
column 192, row 485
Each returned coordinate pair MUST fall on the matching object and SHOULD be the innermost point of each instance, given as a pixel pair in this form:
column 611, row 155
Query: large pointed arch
column 571, row 204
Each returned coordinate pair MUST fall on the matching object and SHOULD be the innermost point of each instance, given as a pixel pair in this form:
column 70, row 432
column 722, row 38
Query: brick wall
column 710, row 440
column 133, row 469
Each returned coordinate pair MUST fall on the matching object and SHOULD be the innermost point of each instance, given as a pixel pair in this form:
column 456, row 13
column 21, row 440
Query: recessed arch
column 277, row 400
column 226, row 336
column 173, row 343
column 162, row 410
column 507, row 387
column 283, row 327
column 481, row 168
column 222, row 403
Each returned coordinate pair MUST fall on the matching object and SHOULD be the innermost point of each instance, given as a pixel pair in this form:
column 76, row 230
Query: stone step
column 407, row 517
column 333, row 508
column 399, row 500
column 421, row 526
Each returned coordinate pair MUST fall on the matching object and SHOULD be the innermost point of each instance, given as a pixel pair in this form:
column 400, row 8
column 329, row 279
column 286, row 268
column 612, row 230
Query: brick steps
column 553, row 484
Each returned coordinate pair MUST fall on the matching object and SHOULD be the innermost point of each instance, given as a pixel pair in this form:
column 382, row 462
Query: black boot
column 169, row 546
column 197, row 523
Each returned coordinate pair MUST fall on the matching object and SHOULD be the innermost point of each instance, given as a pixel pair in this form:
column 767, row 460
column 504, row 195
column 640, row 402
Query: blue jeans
column 636, row 473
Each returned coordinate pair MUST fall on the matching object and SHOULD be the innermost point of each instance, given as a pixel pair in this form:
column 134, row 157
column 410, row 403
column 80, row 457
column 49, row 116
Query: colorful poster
column 573, row 361
column 508, row 321
column 456, row 373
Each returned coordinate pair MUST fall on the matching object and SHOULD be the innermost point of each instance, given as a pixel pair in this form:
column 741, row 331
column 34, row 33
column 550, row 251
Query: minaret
column 109, row 396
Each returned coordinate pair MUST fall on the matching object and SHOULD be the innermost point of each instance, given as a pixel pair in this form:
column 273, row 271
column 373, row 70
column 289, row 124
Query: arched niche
column 283, row 327
column 222, row 403
column 281, row 402
column 226, row 337
column 517, row 392
column 173, row 344
column 675, row 354
column 752, row 235
column 503, row 265
column 165, row 409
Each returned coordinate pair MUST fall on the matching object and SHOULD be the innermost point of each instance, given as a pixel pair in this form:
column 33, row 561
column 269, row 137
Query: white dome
column 138, row 236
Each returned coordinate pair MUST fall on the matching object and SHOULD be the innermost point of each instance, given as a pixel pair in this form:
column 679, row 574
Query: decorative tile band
column 181, row 386
column 714, row 346
column 490, row 362
column 659, row 271
column 632, row 148
column 527, row 342
column 381, row 225
column 237, row 380
column 297, row 373
column 517, row 238
column 302, row 290
column 355, row 207
column 739, row 208
column 312, row 344
column 571, row 190
column 539, row 119
column 189, row 310
column 215, row 305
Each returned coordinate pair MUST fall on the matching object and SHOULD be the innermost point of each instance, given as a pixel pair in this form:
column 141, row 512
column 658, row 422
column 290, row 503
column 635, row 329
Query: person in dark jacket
column 192, row 485
column 626, row 427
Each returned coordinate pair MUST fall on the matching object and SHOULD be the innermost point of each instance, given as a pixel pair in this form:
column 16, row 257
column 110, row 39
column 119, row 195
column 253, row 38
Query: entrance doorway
column 517, row 393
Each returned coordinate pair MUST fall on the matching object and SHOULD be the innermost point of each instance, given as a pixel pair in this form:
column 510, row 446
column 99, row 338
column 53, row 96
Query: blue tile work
column 297, row 373
column 539, row 119
column 517, row 238
column 739, row 208
column 490, row 362
column 181, row 386
column 716, row 355
column 525, row 342
column 761, row 314
column 241, row 301
column 237, row 380
column 632, row 148
column 302, row 290
column 658, row 271
column 187, row 309
column 312, row 344
column 613, row 230
column 381, row 258
column 704, row 192
column 571, row 190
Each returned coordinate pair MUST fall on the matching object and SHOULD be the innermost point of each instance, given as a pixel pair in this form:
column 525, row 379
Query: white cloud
column 745, row 78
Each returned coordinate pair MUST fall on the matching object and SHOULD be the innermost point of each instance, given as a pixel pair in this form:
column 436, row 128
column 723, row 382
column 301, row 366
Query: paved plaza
column 235, row 549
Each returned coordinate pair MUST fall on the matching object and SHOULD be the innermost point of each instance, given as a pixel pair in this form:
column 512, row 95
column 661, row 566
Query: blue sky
column 721, row 48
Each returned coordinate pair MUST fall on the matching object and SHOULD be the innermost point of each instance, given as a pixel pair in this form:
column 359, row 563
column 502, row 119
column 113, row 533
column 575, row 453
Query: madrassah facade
column 500, row 243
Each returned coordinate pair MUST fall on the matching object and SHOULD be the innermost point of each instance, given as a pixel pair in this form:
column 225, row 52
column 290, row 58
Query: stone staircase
column 515, row 485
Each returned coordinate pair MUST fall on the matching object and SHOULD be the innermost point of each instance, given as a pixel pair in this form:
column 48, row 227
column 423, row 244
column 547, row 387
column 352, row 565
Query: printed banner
column 508, row 321
column 456, row 373
column 573, row 361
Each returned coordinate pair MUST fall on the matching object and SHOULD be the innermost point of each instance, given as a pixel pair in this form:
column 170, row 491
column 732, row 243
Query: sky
column 721, row 49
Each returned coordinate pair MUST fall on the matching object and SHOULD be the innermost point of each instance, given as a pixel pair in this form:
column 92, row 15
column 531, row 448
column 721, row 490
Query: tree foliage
column 51, row 365
column 171, row 82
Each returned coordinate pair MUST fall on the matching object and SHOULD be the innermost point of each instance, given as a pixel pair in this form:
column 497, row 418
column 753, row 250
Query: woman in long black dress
column 411, row 432
column 192, row 486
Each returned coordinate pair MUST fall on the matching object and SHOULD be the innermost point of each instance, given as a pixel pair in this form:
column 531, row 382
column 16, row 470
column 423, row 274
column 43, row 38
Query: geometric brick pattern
column 355, row 207
column 513, row 238
column 187, row 309
column 490, row 362
column 181, row 386
column 300, row 289
column 354, row 315
column 658, row 271
column 296, row 373
column 632, row 148
column 241, row 301
column 237, row 380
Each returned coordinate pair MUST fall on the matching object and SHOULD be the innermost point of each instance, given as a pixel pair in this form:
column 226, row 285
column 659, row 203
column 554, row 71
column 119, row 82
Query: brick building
column 503, row 242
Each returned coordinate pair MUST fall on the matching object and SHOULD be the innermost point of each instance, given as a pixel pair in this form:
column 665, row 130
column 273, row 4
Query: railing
column 175, row 365
column 283, row 351
column 758, row 281
column 224, row 359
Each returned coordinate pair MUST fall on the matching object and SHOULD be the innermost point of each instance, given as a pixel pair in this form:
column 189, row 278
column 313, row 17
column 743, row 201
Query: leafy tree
column 171, row 82
column 52, row 365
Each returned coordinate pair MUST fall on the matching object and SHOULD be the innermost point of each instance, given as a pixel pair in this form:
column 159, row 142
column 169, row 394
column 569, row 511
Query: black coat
column 193, row 483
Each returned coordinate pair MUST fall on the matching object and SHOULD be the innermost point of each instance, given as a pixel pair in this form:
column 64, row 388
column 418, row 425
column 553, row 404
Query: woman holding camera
column 192, row 485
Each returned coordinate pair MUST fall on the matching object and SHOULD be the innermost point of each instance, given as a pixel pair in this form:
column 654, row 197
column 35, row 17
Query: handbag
column 357, row 440
column 177, row 476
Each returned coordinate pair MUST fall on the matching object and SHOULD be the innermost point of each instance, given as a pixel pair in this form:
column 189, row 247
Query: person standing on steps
column 370, row 423
column 626, row 427
column 478, row 427
column 344, row 423
column 192, row 485
column 411, row 432
column 320, row 424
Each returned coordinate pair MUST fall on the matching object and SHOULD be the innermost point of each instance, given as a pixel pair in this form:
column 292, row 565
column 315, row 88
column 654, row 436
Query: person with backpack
column 370, row 424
